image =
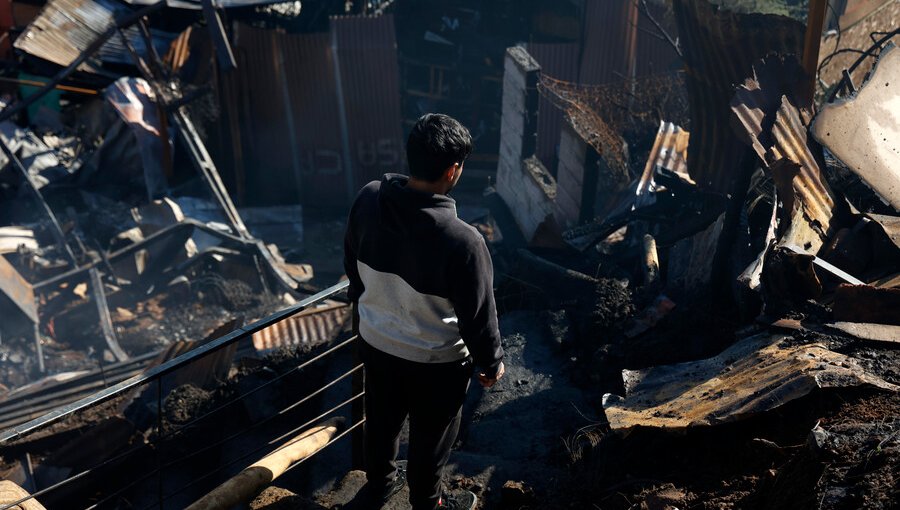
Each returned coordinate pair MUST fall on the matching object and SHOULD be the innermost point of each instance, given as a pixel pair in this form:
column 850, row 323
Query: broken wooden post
column 651, row 261
column 811, row 42
column 244, row 486
column 12, row 494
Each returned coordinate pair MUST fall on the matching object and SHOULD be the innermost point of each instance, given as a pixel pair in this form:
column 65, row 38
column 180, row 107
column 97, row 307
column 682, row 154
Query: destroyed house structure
column 698, row 210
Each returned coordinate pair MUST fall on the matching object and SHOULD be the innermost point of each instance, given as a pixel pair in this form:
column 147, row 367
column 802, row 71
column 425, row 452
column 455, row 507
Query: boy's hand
column 486, row 381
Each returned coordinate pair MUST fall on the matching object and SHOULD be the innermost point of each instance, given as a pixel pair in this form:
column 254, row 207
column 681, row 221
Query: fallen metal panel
column 865, row 303
column 755, row 375
column 669, row 152
column 807, row 184
column 310, row 327
column 719, row 53
column 66, row 28
column 765, row 116
column 863, row 131
column 17, row 290
column 869, row 331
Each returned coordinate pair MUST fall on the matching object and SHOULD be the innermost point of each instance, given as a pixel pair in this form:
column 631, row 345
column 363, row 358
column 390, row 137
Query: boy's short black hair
column 434, row 144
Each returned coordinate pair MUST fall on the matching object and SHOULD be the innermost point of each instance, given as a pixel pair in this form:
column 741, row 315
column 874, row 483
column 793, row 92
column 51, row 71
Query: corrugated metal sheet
column 720, row 48
column 370, row 80
column 609, row 38
column 310, row 73
column 669, row 152
column 65, row 28
column 309, row 327
column 287, row 82
column 809, row 186
column 559, row 60
column 656, row 56
column 753, row 376
column 769, row 122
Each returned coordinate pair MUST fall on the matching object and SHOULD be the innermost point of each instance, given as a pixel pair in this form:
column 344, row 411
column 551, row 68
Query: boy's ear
column 450, row 172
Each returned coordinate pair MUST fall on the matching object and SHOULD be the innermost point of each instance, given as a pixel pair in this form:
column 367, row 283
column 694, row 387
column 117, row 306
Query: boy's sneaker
column 462, row 500
column 398, row 483
column 369, row 500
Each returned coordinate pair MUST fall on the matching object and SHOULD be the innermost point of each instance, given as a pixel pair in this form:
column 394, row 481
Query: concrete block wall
column 527, row 188
column 577, row 176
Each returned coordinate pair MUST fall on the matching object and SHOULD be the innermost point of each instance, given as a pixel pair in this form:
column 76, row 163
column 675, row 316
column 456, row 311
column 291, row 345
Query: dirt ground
column 542, row 433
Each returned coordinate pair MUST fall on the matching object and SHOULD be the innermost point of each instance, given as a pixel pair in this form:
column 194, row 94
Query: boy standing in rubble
column 423, row 283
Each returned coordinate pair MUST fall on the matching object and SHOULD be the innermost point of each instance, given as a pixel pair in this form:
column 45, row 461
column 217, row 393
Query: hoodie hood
column 407, row 212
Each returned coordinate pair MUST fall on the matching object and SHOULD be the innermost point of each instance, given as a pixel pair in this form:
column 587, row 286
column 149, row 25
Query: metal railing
column 151, row 386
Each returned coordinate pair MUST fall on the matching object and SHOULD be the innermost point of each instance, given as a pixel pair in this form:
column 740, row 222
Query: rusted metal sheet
column 669, row 152
column 765, row 116
column 753, row 376
column 16, row 291
column 365, row 49
column 317, row 165
column 863, row 131
column 655, row 55
column 309, row 327
column 621, row 43
column 865, row 303
column 65, row 29
column 310, row 73
column 718, row 54
column 800, row 183
column 869, row 331
column 559, row 60
column 608, row 31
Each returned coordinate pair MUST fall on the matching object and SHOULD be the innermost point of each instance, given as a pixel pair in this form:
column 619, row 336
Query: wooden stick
column 244, row 486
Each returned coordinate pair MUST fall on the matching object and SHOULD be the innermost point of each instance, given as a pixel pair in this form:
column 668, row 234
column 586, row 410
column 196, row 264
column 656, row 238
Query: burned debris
column 697, row 204
column 759, row 278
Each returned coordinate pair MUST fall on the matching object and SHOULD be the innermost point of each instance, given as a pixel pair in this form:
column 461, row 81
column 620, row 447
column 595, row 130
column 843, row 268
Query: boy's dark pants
column 432, row 395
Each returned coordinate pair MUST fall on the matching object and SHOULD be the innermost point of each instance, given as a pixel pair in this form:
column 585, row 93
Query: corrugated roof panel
column 607, row 36
column 310, row 73
column 670, row 152
column 65, row 28
column 720, row 48
column 263, row 116
column 559, row 60
column 790, row 136
column 656, row 56
column 310, row 327
column 370, row 80
column 766, row 120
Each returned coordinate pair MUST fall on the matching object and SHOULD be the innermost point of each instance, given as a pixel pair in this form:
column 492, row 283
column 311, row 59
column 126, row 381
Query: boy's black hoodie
column 423, row 278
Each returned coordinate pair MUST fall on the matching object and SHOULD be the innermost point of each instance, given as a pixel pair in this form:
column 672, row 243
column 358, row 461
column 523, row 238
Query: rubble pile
column 733, row 307
column 120, row 246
